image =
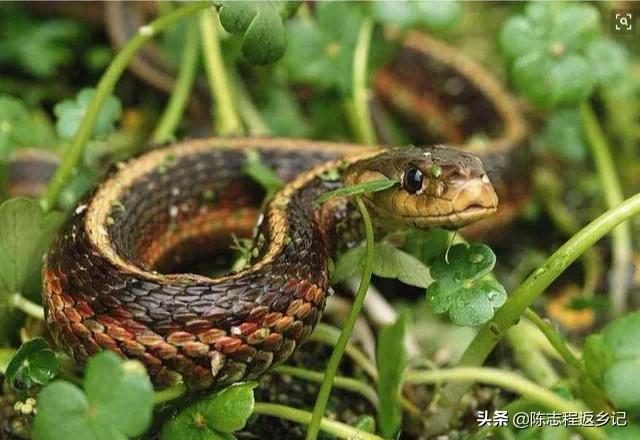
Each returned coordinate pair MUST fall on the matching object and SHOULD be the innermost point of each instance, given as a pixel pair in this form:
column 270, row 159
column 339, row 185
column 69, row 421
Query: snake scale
column 109, row 280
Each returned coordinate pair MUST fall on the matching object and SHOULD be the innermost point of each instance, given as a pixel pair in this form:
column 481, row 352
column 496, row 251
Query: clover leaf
column 70, row 113
column 391, row 357
column 265, row 37
column 563, row 134
column 388, row 262
column 433, row 15
column 214, row 417
column 549, row 50
column 117, row 403
column 24, row 238
column 612, row 359
column 33, row 364
column 461, row 286
column 322, row 51
column 19, row 128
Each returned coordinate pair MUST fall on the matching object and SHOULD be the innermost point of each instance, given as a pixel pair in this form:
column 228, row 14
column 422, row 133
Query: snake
column 113, row 277
column 108, row 279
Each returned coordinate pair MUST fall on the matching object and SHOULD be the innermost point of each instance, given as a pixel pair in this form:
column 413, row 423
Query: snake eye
column 412, row 180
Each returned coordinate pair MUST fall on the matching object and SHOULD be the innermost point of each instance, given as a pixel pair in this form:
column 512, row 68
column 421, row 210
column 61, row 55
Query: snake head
column 439, row 187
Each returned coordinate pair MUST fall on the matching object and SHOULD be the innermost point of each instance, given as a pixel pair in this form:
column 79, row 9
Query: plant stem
column 329, row 335
column 346, row 383
column 29, row 308
column 554, row 338
column 180, row 94
column 523, row 297
column 250, row 115
column 509, row 381
column 169, row 394
column 363, row 126
column 621, row 244
column 336, row 355
column 332, row 427
column 105, row 86
column 226, row 119
column 529, row 357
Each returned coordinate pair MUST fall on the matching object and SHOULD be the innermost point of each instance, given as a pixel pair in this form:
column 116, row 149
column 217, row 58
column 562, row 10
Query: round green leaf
column 215, row 417
column 33, row 363
column 120, row 392
column 117, row 403
column 461, row 287
column 70, row 113
column 464, row 262
column 608, row 59
column 65, row 413
column 563, row 135
column 24, row 238
column 622, row 384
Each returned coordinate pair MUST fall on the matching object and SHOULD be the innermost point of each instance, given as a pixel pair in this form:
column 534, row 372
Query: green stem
column 169, row 394
column 346, row 383
column 509, row 381
column 555, row 339
column 621, row 244
column 336, row 355
column 332, row 427
column 29, row 308
column 329, row 335
column 509, row 314
column 250, row 115
column 365, row 132
column 180, row 94
column 529, row 357
column 4, row 179
column 74, row 151
column 226, row 119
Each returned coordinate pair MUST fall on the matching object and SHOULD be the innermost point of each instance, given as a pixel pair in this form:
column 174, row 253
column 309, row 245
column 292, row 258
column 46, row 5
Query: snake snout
column 475, row 199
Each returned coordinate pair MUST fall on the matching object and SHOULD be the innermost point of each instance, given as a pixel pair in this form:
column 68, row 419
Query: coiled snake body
column 105, row 279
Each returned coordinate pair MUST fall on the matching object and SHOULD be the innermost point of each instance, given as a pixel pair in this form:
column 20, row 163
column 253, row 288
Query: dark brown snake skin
column 109, row 281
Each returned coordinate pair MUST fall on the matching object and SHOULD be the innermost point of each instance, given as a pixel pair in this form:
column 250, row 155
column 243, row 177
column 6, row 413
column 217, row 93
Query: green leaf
column 388, row 262
column 612, row 359
column 261, row 173
column 359, row 188
column 461, row 285
column 609, row 60
column 70, row 113
column 38, row 47
column 117, row 403
column 24, row 238
column 436, row 16
column 391, row 357
column 391, row 262
column 33, row 363
column 563, row 134
column 549, row 52
column 261, row 23
column 426, row 246
column 553, row 83
column 214, row 417
column 19, row 128
column 322, row 51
